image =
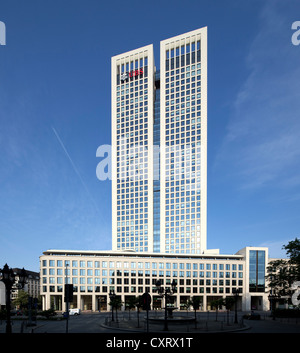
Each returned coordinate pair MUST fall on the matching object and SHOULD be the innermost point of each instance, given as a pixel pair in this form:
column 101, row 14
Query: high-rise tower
column 159, row 147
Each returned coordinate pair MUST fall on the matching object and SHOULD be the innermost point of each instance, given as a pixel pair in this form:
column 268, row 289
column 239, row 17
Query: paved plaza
column 207, row 322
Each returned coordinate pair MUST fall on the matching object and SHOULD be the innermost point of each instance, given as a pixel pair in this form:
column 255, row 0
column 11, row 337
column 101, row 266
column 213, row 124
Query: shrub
column 48, row 313
column 287, row 313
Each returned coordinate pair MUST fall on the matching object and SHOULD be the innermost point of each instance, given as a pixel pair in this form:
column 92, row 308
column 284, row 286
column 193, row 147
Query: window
column 256, row 271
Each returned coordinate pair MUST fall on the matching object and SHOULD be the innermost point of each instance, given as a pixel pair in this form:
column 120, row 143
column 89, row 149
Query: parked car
column 74, row 312
column 252, row 316
column 71, row 312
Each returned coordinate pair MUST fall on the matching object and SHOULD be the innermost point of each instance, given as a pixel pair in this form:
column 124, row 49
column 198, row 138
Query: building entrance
column 256, row 303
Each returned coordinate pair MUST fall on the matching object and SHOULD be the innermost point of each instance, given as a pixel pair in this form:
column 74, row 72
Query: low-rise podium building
column 209, row 276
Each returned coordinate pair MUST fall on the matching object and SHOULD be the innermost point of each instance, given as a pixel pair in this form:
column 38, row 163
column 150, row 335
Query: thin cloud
column 75, row 168
column 262, row 143
column 275, row 248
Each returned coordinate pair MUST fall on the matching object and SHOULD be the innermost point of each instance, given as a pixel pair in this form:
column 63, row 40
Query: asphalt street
column 101, row 323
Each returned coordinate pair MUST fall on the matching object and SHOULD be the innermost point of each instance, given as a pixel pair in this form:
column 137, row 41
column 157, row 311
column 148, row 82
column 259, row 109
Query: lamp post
column 236, row 292
column 166, row 292
column 8, row 278
column 272, row 298
column 67, row 294
column 112, row 297
column 22, row 278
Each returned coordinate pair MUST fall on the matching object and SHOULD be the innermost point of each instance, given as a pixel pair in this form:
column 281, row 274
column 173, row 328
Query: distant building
column 2, row 294
column 32, row 286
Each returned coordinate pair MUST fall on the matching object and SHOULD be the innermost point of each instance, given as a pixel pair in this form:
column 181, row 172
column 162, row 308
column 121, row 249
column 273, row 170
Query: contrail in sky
column 74, row 167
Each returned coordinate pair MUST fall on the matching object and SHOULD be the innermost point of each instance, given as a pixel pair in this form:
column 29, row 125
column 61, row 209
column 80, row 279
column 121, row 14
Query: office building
column 130, row 274
column 159, row 194
column 159, row 147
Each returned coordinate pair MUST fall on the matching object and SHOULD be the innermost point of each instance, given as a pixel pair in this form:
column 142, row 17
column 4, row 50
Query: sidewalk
column 18, row 326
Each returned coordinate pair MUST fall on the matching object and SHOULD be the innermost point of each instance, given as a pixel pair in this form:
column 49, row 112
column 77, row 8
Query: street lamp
column 22, row 278
column 166, row 292
column 112, row 297
column 67, row 297
column 272, row 298
column 236, row 292
column 8, row 278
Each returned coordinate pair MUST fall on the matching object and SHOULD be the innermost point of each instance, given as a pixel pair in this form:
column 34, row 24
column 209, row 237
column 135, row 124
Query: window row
column 139, row 289
column 126, row 91
column 133, row 273
column 147, row 281
column 181, row 60
column 139, row 265
column 188, row 86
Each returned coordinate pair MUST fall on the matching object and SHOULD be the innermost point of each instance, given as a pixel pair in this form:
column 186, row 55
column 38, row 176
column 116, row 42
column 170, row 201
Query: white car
column 74, row 311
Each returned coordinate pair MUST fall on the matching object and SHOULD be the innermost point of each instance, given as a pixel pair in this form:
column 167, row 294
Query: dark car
column 252, row 316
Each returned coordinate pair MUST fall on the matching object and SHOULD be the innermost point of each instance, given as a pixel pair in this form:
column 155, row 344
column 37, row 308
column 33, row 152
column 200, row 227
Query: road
column 95, row 323
column 270, row 326
column 84, row 323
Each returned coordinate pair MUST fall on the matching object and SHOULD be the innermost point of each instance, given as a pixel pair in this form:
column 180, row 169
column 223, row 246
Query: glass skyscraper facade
column 156, row 166
column 257, row 273
column 159, row 147
column 132, row 141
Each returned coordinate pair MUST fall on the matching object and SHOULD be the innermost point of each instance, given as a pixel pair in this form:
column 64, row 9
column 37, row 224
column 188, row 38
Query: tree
column 218, row 303
column 115, row 302
column 131, row 303
column 21, row 300
column 280, row 276
column 186, row 305
column 293, row 252
column 138, row 305
column 228, row 302
column 195, row 303
column 282, row 273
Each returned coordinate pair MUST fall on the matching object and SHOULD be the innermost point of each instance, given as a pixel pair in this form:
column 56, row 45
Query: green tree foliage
column 282, row 273
column 131, row 303
column 115, row 302
column 194, row 302
column 22, row 300
column 293, row 252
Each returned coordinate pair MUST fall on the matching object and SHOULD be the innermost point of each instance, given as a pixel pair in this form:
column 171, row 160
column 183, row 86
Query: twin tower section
column 159, row 147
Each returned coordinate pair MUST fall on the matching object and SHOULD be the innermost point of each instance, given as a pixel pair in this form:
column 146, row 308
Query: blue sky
column 55, row 113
